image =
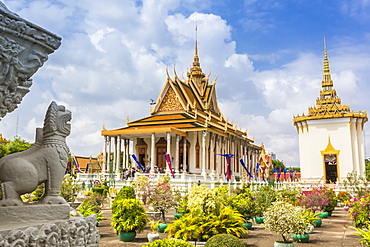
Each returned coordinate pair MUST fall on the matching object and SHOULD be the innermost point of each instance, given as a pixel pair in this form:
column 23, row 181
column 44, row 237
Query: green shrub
column 129, row 215
column 344, row 197
column 69, row 188
column 364, row 234
column 333, row 201
column 92, row 205
column 167, row 242
column 199, row 227
column 127, row 192
column 224, row 240
column 264, row 197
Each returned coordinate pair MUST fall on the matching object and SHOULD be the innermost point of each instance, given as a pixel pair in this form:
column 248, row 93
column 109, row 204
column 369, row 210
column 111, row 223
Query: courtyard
column 334, row 232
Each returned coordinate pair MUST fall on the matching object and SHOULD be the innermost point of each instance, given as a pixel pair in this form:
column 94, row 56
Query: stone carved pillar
column 24, row 47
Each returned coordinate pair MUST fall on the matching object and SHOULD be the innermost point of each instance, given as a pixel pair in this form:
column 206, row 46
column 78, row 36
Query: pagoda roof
column 183, row 106
column 329, row 105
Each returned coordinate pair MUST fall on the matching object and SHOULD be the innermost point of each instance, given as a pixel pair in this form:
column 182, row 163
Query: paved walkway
column 330, row 234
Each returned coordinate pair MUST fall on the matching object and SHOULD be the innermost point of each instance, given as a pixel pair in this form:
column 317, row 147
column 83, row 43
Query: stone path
column 330, row 234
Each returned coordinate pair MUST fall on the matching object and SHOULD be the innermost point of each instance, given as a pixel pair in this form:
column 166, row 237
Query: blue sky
column 268, row 56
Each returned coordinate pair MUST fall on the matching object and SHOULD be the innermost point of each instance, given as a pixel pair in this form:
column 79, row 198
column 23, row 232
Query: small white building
column 331, row 141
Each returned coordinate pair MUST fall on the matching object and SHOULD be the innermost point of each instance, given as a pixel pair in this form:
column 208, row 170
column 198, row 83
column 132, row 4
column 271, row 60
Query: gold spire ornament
column 328, row 105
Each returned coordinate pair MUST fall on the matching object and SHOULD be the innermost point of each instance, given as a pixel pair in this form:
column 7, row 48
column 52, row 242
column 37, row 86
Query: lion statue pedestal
column 47, row 223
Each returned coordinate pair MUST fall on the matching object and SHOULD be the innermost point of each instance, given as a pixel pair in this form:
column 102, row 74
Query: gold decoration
column 170, row 102
column 328, row 105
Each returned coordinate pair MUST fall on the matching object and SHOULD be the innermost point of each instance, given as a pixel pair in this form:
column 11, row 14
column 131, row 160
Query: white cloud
column 114, row 54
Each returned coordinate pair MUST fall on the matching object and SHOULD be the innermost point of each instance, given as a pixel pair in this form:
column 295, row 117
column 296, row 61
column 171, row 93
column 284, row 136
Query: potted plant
column 333, row 201
column 129, row 218
column 284, row 219
column 92, row 205
column 245, row 205
column 311, row 218
column 153, row 235
column 264, row 197
column 315, row 199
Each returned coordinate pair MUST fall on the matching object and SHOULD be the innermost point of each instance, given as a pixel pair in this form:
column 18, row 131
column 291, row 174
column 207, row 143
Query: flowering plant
column 203, row 200
column 284, row 219
column 315, row 199
column 162, row 198
column 344, row 197
column 359, row 210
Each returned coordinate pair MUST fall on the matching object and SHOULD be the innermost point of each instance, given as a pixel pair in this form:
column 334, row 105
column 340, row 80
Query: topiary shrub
column 224, row 240
column 168, row 242
column 127, row 192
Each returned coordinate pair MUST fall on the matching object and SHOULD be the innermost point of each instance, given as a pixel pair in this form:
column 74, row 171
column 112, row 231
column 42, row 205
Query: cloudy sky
column 268, row 56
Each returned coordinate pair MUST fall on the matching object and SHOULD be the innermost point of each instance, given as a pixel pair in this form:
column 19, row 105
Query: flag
column 263, row 172
column 279, row 173
column 76, row 164
column 168, row 159
column 137, row 161
column 257, row 168
column 243, row 165
column 228, row 170
column 291, row 175
column 68, row 170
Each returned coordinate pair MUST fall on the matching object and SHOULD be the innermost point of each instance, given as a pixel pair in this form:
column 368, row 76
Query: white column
column 104, row 155
column 177, row 158
column 212, row 147
column 168, row 148
column 125, row 157
column 204, row 137
column 118, row 154
column 108, row 153
column 114, row 154
column 184, row 164
column 152, row 154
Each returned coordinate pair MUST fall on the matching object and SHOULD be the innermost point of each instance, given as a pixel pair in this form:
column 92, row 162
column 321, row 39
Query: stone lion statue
column 45, row 162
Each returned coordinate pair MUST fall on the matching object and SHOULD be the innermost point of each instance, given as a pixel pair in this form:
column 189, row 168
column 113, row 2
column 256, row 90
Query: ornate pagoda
column 330, row 136
column 186, row 123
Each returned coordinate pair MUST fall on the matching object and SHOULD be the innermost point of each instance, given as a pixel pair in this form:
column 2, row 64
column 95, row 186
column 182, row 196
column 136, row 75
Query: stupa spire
column 196, row 71
column 327, row 82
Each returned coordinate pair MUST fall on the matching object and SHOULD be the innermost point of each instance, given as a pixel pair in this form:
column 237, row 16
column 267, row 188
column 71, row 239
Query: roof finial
column 326, row 60
column 196, row 39
column 196, row 58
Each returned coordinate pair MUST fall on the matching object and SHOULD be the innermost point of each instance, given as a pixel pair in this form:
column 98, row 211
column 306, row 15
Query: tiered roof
column 329, row 105
column 184, row 106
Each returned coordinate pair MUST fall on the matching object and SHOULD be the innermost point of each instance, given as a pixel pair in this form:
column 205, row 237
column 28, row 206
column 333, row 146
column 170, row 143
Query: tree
column 367, row 169
column 16, row 145
column 277, row 164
